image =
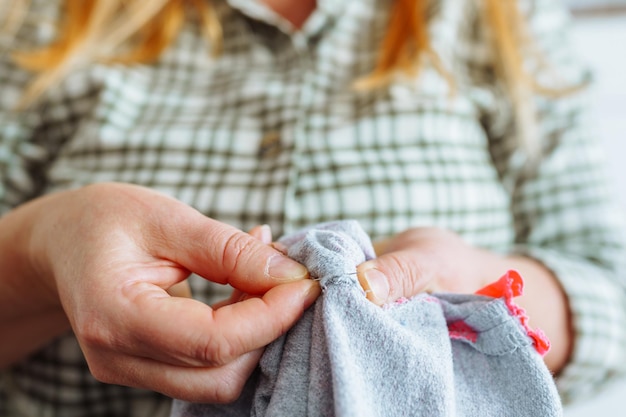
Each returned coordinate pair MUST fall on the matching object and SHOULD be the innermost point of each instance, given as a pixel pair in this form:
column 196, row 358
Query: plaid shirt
column 273, row 132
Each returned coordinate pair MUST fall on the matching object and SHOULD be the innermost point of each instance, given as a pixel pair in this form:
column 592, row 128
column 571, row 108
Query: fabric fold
column 431, row 355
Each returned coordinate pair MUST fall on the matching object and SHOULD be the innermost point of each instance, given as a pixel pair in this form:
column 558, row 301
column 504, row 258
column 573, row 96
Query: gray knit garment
column 433, row 355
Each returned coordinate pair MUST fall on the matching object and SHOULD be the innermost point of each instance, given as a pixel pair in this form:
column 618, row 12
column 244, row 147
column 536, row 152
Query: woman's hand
column 436, row 260
column 108, row 254
column 426, row 260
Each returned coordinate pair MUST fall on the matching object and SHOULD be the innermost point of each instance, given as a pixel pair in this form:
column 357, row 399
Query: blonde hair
column 145, row 28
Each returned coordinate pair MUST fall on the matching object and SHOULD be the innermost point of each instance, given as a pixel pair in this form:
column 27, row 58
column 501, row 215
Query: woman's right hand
column 107, row 255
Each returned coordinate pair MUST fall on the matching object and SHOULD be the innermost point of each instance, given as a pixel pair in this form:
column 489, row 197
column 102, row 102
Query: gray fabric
column 347, row 357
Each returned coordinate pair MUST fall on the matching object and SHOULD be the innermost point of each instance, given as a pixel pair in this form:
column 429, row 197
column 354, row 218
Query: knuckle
column 217, row 352
column 101, row 368
column 231, row 383
column 403, row 274
column 236, row 247
column 395, row 267
column 92, row 334
column 229, row 390
column 101, row 373
column 99, row 346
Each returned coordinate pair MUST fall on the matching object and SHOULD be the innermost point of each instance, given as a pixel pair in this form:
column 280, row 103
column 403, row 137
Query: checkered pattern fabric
column 274, row 132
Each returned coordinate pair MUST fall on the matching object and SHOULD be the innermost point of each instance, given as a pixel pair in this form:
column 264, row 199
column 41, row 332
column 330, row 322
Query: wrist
column 30, row 312
column 27, row 283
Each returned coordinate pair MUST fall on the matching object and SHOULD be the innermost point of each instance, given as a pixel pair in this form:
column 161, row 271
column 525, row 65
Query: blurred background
column 599, row 30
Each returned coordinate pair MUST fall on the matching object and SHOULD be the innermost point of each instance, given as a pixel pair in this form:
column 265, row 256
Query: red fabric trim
column 461, row 330
column 511, row 285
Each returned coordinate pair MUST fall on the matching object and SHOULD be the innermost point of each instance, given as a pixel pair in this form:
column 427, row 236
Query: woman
column 429, row 122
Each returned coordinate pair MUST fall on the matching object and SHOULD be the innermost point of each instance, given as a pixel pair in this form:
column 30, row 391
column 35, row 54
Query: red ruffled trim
column 511, row 285
column 461, row 330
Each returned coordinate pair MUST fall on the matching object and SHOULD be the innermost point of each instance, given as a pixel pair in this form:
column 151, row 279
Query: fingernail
column 266, row 234
column 376, row 285
column 282, row 268
column 280, row 247
column 313, row 292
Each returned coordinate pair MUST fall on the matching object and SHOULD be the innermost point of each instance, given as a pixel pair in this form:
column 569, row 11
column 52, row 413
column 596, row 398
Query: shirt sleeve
column 563, row 206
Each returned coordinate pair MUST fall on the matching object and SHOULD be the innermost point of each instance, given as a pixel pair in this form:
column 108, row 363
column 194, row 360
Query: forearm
column 27, row 334
column 30, row 313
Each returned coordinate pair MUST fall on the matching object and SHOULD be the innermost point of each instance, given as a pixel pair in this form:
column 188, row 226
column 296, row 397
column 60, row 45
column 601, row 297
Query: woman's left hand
column 427, row 259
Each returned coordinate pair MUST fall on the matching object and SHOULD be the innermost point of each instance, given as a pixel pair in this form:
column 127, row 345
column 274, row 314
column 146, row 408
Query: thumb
column 226, row 255
column 391, row 276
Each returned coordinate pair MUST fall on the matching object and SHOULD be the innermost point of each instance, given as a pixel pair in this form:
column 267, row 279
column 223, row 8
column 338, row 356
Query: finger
column 381, row 246
column 393, row 275
column 185, row 331
column 262, row 232
column 280, row 247
column 197, row 384
column 226, row 255
column 182, row 289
